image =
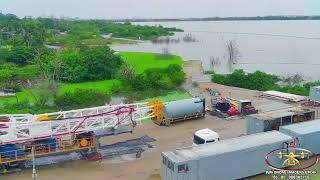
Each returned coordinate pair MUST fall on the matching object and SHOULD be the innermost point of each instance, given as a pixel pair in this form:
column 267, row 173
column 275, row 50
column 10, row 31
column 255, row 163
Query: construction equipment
column 79, row 130
column 67, row 131
column 224, row 107
column 243, row 106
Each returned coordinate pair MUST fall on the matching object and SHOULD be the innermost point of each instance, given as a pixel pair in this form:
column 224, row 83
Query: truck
column 205, row 136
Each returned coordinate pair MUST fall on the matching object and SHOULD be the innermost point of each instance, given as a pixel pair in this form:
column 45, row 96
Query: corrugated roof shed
column 303, row 128
column 283, row 96
column 229, row 145
column 271, row 115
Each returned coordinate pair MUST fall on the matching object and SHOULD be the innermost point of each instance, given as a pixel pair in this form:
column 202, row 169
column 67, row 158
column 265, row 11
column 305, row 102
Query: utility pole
column 34, row 172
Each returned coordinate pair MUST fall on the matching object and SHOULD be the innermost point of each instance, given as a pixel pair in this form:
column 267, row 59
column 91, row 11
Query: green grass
column 103, row 86
column 142, row 61
column 171, row 96
column 20, row 96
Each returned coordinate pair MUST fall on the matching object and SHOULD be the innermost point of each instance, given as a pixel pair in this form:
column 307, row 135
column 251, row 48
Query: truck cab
column 205, row 136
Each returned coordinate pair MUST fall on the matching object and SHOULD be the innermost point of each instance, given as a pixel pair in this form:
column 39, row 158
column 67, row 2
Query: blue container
column 10, row 151
column 52, row 144
column 48, row 143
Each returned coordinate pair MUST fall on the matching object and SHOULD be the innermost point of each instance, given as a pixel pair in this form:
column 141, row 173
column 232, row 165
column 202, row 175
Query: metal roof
column 272, row 115
column 304, row 127
column 271, row 105
column 284, row 96
column 226, row 146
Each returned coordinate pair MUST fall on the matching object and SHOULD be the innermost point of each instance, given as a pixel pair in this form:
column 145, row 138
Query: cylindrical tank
column 186, row 107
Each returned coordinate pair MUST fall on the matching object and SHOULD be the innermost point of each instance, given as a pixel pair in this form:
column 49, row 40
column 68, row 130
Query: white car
column 205, row 136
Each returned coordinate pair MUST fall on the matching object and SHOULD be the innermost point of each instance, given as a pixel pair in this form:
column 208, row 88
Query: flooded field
column 270, row 46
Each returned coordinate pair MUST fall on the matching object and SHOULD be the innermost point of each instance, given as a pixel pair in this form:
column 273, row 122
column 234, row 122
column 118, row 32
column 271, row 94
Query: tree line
column 23, row 46
column 243, row 18
column 32, row 32
column 262, row 81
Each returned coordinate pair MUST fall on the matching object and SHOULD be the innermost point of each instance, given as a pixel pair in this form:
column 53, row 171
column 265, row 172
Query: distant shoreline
column 256, row 18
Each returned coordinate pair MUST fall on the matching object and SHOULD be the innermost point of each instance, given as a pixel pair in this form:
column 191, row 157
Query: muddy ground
column 146, row 167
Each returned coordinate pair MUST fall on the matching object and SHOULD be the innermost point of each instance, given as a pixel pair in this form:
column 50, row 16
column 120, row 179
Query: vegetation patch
column 102, row 86
column 142, row 61
column 150, row 80
column 171, row 96
column 61, row 64
column 81, row 98
column 262, row 81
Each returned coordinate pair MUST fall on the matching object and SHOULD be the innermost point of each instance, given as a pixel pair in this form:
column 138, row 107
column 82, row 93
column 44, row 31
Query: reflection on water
column 281, row 47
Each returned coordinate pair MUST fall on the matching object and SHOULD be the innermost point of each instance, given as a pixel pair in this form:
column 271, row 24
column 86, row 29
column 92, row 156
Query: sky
column 117, row 9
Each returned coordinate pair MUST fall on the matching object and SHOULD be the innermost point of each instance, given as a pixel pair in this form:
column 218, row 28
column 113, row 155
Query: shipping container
column 224, row 160
column 272, row 120
column 307, row 135
column 315, row 93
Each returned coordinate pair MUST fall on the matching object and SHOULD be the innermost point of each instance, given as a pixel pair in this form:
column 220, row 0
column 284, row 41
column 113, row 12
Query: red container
column 232, row 111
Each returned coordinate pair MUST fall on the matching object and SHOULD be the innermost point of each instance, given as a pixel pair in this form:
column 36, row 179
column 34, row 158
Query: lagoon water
column 279, row 47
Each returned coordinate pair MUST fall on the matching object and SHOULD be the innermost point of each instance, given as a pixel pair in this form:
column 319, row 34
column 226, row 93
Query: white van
column 205, row 136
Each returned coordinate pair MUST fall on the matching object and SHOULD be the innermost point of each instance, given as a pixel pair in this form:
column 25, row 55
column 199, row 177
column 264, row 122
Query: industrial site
column 221, row 133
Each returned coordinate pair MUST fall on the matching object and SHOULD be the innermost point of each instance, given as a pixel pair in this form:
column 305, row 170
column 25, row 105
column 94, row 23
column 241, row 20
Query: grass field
column 103, row 86
column 142, row 61
column 20, row 96
column 139, row 60
column 171, row 96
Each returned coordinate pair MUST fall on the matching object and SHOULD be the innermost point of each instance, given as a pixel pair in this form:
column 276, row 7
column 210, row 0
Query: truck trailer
column 224, row 160
column 306, row 135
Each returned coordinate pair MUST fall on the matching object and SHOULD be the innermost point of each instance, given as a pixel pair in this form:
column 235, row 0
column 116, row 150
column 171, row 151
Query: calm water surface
column 280, row 47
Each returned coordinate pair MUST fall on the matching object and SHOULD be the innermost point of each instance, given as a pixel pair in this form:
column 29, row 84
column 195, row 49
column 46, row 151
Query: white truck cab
column 205, row 136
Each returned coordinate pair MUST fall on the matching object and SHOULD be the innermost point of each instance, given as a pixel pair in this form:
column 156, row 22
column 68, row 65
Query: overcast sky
column 158, row 8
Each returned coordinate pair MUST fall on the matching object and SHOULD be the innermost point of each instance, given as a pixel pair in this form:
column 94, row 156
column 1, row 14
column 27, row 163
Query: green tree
column 158, row 78
column 20, row 55
column 101, row 62
column 127, row 73
column 48, row 63
column 74, row 68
